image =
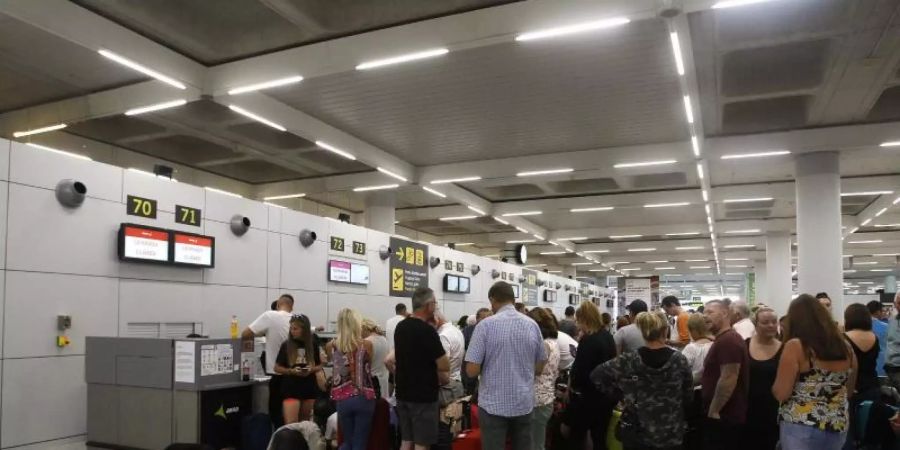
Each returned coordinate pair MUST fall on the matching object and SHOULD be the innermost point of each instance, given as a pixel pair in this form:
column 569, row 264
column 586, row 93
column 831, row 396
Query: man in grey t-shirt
column 629, row 338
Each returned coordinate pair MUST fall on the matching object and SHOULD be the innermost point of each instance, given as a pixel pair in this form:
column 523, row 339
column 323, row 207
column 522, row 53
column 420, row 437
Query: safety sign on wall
column 530, row 287
column 408, row 267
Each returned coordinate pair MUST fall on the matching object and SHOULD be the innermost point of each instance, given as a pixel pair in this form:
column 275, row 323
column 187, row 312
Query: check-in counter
column 146, row 393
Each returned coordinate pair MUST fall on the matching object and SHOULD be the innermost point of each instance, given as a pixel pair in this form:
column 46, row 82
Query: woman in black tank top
column 761, row 429
column 858, row 323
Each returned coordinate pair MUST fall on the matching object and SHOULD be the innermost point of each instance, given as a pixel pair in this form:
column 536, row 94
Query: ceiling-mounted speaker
column 384, row 252
column 434, row 261
column 70, row 193
column 568, row 288
column 495, row 273
column 307, row 237
column 475, row 269
column 541, row 282
column 239, row 224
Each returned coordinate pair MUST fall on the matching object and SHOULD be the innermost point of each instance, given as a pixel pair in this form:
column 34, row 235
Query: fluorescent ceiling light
column 402, row 58
column 664, row 268
column 61, row 152
column 743, row 231
column 879, row 213
column 626, row 236
column 266, row 85
column 866, row 263
column 688, row 110
column 695, row 247
column 700, row 170
column 629, row 269
column 463, row 244
column 572, row 29
column 849, row 271
column 865, row 193
column 733, row 3
column 871, row 241
column 886, row 254
column 695, row 144
column 866, row 222
column 696, row 260
column 739, row 266
column 522, row 213
column 230, row 194
column 701, row 267
column 58, row 126
column 676, row 48
column 472, row 208
column 578, row 238
column 283, row 197
column 274, row 205
column 655, row 262
column 432, row 191
column 886, row 225
column 642, row 249
column 644, row 164
column 334, row 149
column 553, row 253
column 705, row 194
column 256, row 117
column 890, row 144
column 501, row 220
column 596, row 251
column 582, row 264
column 747, row 200
column 379, row 187
column 520, row 241
column 538, row 237
column 522, row 230
column 881, row 270
column 447, row 219
column 543, row 172
column 455, row 180
column 142, row 69
column 666, row 205
column 737, row 259
column 756, row 155
column 854, row 230
column 596, row 208
column 598, row 270
column 689, row 233
column 740, row 246
column 391, row 174
column 156, row 107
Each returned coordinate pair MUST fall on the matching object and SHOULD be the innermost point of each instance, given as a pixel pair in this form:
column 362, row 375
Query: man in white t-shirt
column 567, row 349
column 391, row 324
column 275, row 326
column 741, row 316
column 454, row 344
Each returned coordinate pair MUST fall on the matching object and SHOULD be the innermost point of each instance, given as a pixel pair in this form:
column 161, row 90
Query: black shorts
column 418, row 422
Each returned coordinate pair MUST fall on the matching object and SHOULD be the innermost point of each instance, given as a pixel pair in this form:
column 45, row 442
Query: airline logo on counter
column 408, row 267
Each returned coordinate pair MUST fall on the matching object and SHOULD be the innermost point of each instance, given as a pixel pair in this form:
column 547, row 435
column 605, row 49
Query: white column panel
column 44, row 236
column 377, row 308
column 40, row 168
column 158, row 301
column 379, row 271
column 303, row 267
column 778, row 272
column 34, row 300
column 5, row 146
column 273, row 263
column 759, row 269
column 219, row 303
column 240, row 260
column 43, row 399
column 221, row 208
column 819, row 264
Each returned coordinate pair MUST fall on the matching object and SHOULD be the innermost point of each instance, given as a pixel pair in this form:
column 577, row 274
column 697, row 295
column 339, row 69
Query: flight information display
column 193, row 249
column 141, row 243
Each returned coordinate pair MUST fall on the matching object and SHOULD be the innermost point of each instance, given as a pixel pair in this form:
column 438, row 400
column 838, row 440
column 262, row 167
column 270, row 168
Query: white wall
column 55, row 260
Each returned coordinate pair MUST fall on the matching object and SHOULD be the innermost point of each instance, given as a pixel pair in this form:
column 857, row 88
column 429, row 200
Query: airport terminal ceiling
column 597, row 145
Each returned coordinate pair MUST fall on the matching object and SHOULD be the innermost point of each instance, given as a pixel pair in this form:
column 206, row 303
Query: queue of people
column 733, row 377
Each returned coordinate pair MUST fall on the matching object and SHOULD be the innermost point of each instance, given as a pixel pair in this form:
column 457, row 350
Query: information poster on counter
column 408, row 267
column 530, row 287
column 184, row 362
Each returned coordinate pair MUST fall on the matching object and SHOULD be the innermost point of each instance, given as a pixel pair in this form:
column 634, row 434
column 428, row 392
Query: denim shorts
column 802, row 437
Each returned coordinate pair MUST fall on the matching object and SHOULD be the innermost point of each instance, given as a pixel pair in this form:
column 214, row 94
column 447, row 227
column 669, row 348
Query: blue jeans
column 802, row 437
column 494, row 430
column 355, row 421
column 540, row 417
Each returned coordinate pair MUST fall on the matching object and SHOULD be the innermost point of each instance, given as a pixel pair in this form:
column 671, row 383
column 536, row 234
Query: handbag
column 448, row 393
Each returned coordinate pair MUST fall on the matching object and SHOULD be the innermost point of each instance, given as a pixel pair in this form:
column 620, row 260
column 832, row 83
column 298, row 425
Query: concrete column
column 759, row 270
column 381, row 211
column 778, row 272
column 819, row 266
column 890, row 284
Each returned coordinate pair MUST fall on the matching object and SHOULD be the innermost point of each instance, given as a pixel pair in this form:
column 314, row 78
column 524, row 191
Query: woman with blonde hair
column 656, row 386
column 374, row 334
column 589, row 409
column 701, row 341
column 352, row 380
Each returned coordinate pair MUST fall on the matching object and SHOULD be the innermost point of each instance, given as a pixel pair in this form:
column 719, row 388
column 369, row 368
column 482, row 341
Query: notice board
column 530, row 287
column 408, row 267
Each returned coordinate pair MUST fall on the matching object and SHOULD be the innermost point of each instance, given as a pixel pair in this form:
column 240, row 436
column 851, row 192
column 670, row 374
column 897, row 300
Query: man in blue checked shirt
column 507, row 351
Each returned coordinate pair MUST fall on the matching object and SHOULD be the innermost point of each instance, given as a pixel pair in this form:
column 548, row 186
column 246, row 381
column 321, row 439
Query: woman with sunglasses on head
column 351, row 380
column 299, row 363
